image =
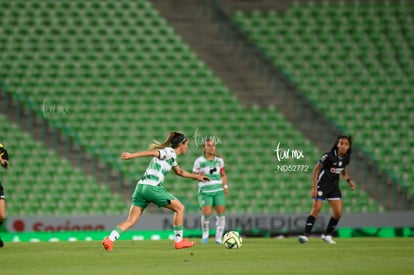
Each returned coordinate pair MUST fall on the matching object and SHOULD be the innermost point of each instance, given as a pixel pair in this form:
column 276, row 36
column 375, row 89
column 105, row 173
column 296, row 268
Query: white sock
column 205, row 226
column 114, row 235
column 220, row 225
column 178, row 235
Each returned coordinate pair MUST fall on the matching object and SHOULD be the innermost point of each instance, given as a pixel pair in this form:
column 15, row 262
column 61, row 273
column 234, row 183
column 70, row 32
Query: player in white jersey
column 150, row 188
column 212, row 193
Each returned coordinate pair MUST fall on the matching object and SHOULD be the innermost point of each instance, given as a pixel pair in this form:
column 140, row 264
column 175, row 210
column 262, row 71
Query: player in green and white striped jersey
column 150, row 188
column 212, row 193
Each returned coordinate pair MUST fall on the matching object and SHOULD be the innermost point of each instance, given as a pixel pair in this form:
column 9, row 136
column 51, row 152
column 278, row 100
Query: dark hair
column 173, row 138
column 177, row 139
column 341, row 136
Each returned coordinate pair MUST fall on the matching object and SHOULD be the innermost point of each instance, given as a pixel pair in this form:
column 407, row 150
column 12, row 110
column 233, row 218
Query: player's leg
column 2, row 210
column 206, row 204
column 178, row 218
column 336, row 207
column 135, row 213
column 139, row 203
column 220, row 223
column 205, row 222
column 310, row 220
column 178, row 224
column 220, row 208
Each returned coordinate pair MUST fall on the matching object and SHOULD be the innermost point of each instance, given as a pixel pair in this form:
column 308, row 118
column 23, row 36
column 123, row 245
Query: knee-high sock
column 205, row 226
column 331, row 225
column 310, row 220
column 220, row 225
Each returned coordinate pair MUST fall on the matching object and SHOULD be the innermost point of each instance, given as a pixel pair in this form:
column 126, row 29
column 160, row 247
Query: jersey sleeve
column 168, row 154
column 163, row 154
column 324, row 160
column 221, row 163
column 196, row 166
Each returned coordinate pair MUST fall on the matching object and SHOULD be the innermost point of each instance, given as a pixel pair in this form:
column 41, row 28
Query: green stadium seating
column 352, row 59
column 38, row 182
column 127, row 78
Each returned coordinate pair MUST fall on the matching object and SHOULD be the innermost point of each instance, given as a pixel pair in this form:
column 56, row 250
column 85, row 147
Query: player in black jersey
column 4, row 162
column 326, row 186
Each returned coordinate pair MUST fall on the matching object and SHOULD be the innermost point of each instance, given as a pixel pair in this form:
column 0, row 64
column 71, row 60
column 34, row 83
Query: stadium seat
column 367, row 52
column 123, row 95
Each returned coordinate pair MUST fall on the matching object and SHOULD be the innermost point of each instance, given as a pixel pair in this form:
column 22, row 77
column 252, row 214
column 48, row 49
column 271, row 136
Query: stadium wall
column 269, row 224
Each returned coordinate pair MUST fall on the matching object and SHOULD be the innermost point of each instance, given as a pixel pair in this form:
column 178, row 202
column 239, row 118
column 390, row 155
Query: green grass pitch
column 256, row 256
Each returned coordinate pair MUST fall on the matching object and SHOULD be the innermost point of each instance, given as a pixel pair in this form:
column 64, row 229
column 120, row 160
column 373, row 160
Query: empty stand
column 38, row 182
column 125, row 78
column 355, row 62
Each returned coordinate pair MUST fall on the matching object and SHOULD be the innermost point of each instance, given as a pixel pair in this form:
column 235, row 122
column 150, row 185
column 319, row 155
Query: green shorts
column 145, row 194
column 212, row 199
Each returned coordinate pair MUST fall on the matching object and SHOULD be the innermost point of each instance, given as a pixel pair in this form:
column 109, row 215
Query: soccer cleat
column 204, row 240
column 303, row 239
column 1, row 243
column 184, row 243
column 328, row 239
column 219, row 242
column 107, row 244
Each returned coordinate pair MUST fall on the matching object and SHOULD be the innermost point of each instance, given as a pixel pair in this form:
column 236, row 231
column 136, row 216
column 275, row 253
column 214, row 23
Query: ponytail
column 173, row 138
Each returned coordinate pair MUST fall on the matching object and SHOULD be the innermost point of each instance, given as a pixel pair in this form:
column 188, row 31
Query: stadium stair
column 129, row 79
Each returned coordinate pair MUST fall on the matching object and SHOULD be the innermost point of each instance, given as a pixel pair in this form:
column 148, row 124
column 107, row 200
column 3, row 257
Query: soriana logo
column 32, row 224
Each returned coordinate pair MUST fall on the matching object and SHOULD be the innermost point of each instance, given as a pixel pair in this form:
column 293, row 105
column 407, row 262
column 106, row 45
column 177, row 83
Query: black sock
column 331, row 226
column 310, row 220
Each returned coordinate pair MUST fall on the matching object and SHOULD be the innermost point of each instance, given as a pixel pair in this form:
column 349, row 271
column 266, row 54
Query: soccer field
column 256, row 256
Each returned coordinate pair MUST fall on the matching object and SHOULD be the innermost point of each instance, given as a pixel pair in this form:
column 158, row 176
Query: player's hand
column 203, row 178
column 352, row 185
column 314, row 193
column 126, row 155
column 4, row 163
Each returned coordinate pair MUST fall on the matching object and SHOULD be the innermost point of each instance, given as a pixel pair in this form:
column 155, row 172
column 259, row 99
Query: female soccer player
column 326, row 186
column 211, row 194
column 4, row 162
column 150, row 188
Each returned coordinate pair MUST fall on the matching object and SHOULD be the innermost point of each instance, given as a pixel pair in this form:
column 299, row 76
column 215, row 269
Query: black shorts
column 328, row 191
column 2, row 197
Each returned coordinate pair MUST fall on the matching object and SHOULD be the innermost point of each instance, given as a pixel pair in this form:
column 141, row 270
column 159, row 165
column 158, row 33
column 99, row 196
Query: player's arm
column 182, row 173
column 318, row 167
column 147, row 153
column 223, row 176
column 196, row 168
column 4, row 162
column 348, row 179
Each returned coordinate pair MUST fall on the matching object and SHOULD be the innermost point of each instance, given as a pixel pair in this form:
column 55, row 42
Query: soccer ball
column 232, row 240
